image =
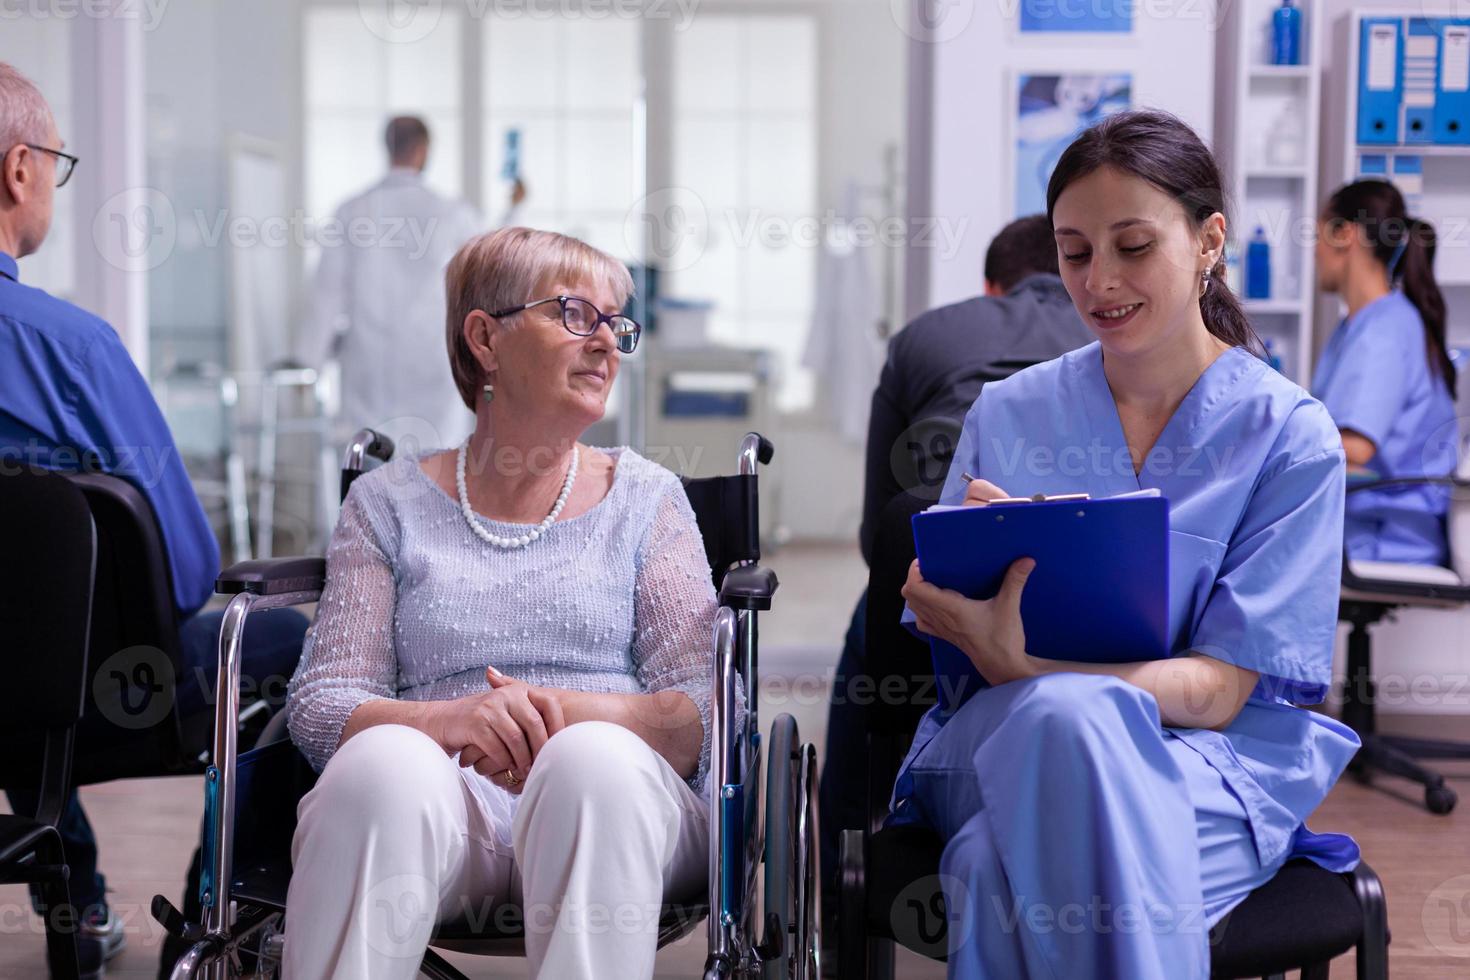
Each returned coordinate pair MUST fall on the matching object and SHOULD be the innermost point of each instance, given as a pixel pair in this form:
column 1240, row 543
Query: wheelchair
column 251, row 797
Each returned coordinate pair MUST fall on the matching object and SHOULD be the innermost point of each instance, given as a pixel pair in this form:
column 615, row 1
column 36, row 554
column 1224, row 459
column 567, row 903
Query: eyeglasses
column 65, row 162
column 582, row 319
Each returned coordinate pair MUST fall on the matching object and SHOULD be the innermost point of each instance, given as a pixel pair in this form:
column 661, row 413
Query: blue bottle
column 1286, row 35
column 1258, row 267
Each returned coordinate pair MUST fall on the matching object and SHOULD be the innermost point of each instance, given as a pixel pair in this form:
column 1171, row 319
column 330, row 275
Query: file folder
column 1099, row 592
column 1420, row 79
column 1380, row 80
column 1452, row 100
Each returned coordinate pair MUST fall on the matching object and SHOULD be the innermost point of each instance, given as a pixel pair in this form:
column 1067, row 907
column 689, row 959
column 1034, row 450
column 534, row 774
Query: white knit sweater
column 617, row 599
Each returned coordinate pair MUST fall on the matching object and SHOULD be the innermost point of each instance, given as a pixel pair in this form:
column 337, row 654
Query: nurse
column 1385, row 374
column 1099, row 819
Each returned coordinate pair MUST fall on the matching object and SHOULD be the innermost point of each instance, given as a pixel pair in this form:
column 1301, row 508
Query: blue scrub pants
column 1083, row 839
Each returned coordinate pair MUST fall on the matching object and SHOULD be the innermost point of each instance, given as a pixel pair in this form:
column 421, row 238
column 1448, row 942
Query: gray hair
column 501, row 269
column 24, row 115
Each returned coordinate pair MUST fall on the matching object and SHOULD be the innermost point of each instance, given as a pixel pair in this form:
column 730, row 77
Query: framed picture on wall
column 1077, row 16
column 1051, row 111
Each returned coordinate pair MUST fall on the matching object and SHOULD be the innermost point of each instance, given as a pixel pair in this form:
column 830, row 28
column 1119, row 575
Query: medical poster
column 1076, row 16
column 1051, row 111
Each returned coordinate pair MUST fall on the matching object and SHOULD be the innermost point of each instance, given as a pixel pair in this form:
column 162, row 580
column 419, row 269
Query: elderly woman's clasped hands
column 500, row 730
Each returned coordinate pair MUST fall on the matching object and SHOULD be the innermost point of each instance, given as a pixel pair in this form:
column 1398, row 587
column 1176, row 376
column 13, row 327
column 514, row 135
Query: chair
column 44, row 621
column 1373, row 590
column 889, row 878
column 250, row 801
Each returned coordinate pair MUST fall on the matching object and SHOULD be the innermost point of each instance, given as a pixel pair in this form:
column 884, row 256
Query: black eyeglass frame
column 71, row 161
column 599, row 321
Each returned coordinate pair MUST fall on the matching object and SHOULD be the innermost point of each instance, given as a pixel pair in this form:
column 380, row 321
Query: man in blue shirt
column 71, row 398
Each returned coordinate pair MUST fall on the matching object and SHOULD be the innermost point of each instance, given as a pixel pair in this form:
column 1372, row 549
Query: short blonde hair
column 504, row 268
column 24, row 115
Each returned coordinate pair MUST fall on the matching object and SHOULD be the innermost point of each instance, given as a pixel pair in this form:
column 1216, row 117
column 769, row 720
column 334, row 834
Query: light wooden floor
column 147, row 828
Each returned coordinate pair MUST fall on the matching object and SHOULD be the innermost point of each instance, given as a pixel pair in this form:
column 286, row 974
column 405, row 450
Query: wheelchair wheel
column 791, row 856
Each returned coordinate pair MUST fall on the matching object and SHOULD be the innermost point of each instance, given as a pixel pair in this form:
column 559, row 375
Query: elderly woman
column 506, row 689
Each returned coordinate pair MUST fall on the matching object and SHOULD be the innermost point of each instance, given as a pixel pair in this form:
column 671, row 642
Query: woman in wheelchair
column 1099, row 819
column 507, row 685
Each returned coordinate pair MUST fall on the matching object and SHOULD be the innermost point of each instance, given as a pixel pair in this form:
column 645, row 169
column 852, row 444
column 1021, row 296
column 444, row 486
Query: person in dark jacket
column 936, row 367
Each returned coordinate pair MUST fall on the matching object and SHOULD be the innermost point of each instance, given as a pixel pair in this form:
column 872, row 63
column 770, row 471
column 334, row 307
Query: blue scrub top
column 1253, row 470
column 71, row 398
column 1374, row 378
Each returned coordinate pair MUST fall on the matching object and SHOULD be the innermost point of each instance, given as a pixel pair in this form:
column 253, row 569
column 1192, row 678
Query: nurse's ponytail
column 1160, row 148
column 1405, row 247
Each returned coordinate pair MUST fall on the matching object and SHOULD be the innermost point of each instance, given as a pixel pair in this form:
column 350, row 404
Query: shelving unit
column 1267, row 123
column 1434, row 178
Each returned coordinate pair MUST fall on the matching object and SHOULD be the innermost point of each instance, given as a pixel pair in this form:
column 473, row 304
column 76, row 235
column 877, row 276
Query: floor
column 147, row 827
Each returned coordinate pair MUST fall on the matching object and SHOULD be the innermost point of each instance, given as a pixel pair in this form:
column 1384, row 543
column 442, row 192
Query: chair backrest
column 129, row 727
column 45, row 601
column 727, row 509
column 896, row 660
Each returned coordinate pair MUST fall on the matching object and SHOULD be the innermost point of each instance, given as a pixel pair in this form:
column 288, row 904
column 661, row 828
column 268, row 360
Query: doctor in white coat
column 377, row 302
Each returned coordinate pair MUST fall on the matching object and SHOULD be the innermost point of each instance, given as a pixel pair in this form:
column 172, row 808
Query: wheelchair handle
column 755, row 448
column 366, row 442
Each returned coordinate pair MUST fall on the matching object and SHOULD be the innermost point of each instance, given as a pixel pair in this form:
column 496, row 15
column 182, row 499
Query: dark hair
column 1158, row 147
column 404, row 135
column 1023, row 248
column 1405, row 247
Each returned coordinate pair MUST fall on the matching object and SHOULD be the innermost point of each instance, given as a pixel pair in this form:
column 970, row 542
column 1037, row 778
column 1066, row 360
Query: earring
column 489, row 393
column 1204, row 282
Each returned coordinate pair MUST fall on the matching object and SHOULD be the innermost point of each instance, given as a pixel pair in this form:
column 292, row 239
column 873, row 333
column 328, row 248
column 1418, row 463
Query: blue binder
column 1452, row 97
column 1099, row 592
column 1380, row 80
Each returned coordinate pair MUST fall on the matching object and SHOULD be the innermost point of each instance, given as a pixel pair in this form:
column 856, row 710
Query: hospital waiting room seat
column 1373, row 590
column 889, row 877
column 45, row 610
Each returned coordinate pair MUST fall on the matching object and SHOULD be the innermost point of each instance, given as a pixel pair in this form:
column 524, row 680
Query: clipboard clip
column 1041, row 498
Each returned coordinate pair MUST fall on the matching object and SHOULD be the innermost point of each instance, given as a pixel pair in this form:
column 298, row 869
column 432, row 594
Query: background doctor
column 377, row 303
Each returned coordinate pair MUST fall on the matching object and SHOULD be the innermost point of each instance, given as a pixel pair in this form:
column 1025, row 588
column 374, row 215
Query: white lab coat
column 843, row 347
column 377, row 306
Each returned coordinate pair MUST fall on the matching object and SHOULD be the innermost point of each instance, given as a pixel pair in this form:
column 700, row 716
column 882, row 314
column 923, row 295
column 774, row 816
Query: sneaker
column 101, row 926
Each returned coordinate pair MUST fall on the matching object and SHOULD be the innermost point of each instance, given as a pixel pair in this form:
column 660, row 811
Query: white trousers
column 396, row 837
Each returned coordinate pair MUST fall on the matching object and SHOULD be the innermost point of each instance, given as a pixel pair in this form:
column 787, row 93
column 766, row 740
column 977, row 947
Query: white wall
column 967, row 181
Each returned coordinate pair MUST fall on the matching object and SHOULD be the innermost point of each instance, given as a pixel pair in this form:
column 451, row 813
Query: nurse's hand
column 989, row 631
column 981, row 492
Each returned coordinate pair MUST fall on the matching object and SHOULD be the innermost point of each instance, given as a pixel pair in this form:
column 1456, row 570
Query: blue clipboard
column 1099, row 593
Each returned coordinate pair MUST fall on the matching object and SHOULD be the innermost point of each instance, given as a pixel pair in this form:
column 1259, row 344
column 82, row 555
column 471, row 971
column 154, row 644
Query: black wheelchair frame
column 250, row 798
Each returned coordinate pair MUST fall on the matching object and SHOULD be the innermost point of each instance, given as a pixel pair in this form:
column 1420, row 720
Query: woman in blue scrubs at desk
column 1385, row 374
column 1100, row 818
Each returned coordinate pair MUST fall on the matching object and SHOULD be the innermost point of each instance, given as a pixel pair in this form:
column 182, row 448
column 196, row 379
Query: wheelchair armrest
column 748, row 587
column 273, row 576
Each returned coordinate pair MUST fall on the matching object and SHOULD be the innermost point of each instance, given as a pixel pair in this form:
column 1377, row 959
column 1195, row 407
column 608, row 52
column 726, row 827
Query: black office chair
column 1373, row 590
column 889, row 882
column 45, row 609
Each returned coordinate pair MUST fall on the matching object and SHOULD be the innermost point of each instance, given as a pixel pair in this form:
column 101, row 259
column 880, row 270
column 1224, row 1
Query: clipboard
column 1099, row 592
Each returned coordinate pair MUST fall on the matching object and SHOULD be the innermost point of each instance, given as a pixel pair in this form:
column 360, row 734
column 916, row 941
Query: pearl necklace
column 529, row 536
